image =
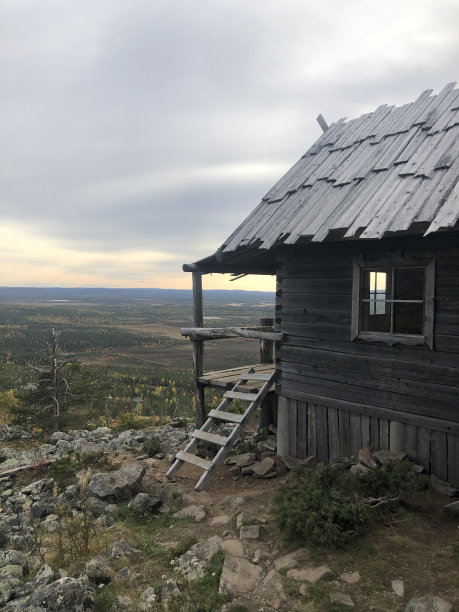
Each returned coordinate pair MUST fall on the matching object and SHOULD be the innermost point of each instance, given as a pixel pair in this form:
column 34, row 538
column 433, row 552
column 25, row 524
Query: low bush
column 317, row 510
column 328, row 507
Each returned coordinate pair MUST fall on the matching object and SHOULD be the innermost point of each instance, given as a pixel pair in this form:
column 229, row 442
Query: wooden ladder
column 212, row 422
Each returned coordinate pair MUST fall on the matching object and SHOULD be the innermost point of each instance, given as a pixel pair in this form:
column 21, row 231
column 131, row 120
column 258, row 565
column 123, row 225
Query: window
column 393, row 303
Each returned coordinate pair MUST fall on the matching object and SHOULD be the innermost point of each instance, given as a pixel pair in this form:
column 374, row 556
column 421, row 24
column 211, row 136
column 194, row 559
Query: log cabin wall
column 336, row 394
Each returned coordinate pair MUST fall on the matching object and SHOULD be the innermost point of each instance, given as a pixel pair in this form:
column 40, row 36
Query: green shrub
column 317, row 510
column 64, row 469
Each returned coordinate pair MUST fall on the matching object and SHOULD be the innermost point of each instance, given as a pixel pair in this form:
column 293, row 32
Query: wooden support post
column 198, row 349
column 268, row 407
column 266, row 346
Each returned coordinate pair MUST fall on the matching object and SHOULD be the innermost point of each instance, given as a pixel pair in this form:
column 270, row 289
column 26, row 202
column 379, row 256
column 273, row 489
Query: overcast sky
column 135, row 135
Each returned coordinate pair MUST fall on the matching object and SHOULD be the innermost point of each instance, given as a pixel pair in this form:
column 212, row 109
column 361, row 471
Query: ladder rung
column 190, row 458
column 260, row 377
column 248, row 397
column 226, row 416
column 209, row 437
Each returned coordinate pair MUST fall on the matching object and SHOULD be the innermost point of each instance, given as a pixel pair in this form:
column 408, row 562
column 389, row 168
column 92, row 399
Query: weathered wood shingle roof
column 393, row 170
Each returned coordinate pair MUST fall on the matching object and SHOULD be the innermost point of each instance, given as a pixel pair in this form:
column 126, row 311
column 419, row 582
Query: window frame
column 359, row 267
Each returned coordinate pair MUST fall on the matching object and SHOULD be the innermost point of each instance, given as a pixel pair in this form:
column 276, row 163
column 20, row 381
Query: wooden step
column 247, row 397
column 226, row 416
column 260, row 377
column 194, row 459
column 209, row 437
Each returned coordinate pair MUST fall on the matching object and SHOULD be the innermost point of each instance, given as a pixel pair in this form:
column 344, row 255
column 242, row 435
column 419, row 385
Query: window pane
column 377, row 285
column 409, row 284
column 408, row 318
column 376, row 316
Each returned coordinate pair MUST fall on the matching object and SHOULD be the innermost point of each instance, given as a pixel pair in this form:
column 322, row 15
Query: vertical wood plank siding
column 351, row 390
column 329, row 436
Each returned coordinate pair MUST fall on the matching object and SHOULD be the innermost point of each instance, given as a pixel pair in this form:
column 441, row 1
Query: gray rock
column 359, row 468
column 42, row 508
column 98, row 570
column 124, row 602
column 197, row 559
column 37, row 487
column 310, row 574
column 388, row 457
column 398, row 587
column 365, row 456
column 59, row 435
column 83, row 446
column 234, row 501
column 443, row 487
column 263, row 468
column 143, row 503
column 148, row 600
column 245, row 459
column 124, row 572
column 10, row 576
column 116, row 550
column 238, row 576
column 169, row 589
column 453, row 507
column 44, row 576
column 62, row 595
column 428, row 604
column 249, row 532
column 290, row 560
column 14, row 557
column 195, row 512
column 341, row 599
column 121, row 484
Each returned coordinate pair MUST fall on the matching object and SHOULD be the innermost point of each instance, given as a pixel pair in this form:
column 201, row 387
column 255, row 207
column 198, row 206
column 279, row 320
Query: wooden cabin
column 362, row 234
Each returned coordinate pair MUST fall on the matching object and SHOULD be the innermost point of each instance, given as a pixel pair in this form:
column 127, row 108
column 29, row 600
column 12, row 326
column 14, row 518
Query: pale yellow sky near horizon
column 56, row 264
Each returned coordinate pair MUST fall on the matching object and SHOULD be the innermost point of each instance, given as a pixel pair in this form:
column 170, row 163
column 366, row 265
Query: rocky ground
column 145, row 543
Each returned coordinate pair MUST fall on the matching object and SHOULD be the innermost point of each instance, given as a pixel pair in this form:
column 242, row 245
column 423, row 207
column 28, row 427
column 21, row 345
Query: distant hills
column 102, row 295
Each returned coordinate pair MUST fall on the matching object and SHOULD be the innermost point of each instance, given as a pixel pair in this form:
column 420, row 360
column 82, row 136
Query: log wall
column 306, row 429
column 367, row 385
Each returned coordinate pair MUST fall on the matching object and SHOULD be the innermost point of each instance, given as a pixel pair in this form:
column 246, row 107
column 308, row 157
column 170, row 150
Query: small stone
column 452, row 507
column 235, row 501
column 116, row 550
column 351, row 578
column 223, row 519
column 262, row 468
column 443, row 487
column 195, row 512
column 341, row 599
column 241, row 517
column 398, row 587
column 249, row 532
column 143, row 503
column 197, row 559
column 312, row 574
column 259, row 555
column 148, row 600
column 273, row 582
column 245, row 459
column 290, row 560
column 359, row 468
column 124, row 603
column 365, row 457
column 233, row 547
column 428, row 604
column 388, row 457
column 124, row 572
column 98, row 570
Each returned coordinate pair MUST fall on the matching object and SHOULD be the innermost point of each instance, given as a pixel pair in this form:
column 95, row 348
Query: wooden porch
column 226, row 379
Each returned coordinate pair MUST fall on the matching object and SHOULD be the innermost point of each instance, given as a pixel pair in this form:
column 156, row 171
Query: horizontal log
column 221, row 333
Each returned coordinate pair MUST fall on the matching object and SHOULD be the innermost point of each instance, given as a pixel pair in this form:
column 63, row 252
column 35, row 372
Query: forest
column 127, row 345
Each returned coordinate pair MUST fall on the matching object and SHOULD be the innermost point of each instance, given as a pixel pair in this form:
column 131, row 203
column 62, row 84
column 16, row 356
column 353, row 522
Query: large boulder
column 197, row 559
column 60, row 596
column 98, row 570
column 121, row 484
column 143, row 503
column 428, row 604
column 10, row 576
column 239, row 576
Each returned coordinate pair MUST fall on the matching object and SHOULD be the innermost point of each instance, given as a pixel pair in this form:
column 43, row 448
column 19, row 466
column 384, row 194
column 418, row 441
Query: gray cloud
column 147, row 124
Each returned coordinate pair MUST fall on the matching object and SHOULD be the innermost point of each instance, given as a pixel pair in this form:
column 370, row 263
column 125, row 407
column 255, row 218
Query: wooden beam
column 221, row 333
